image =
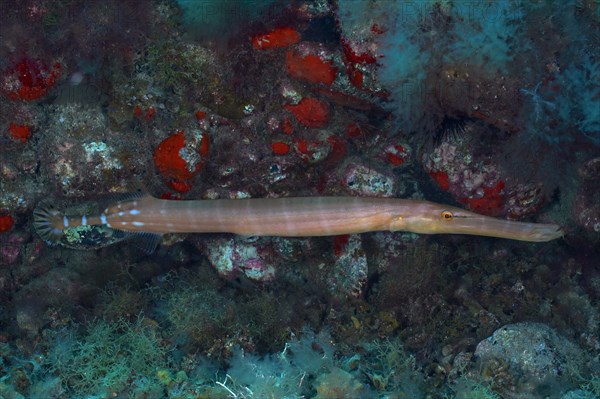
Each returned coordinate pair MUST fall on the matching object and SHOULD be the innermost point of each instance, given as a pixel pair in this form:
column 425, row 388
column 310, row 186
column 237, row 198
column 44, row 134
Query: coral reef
column 492, row 106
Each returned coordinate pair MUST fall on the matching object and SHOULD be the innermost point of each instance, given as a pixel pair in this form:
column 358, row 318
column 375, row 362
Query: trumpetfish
column 289, row 217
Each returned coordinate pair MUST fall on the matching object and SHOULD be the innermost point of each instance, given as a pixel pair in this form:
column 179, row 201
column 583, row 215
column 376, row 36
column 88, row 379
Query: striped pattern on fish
column 293, row 217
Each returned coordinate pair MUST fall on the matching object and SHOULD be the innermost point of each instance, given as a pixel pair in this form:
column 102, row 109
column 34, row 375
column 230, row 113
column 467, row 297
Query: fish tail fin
column 48, row 222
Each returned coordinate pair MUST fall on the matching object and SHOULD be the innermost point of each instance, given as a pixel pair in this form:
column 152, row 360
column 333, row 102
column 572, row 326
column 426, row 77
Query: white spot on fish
column 65, row 221
column 123, row 223
column 83, row 220
column 134, row 212
column 103, row 219
column 137, row 223
column 121, row 213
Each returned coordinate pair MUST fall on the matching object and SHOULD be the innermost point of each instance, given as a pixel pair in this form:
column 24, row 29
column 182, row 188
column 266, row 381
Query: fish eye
column 447, row 215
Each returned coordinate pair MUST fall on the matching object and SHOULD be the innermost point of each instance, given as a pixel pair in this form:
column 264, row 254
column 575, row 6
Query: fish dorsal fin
column 114, row 198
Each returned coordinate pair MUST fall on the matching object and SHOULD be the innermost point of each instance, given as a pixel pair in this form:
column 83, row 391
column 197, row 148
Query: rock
column 529, row 360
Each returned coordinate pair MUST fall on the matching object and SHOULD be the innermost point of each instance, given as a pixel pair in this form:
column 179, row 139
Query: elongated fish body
column 286, row 217
column 293, row 217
